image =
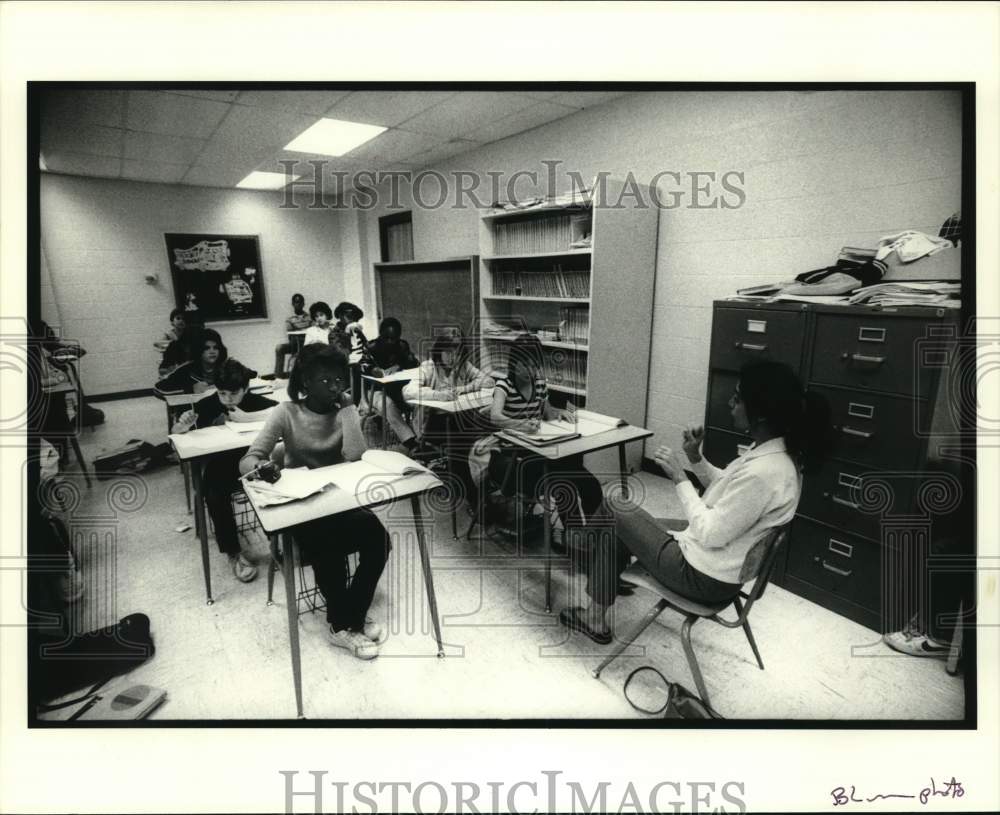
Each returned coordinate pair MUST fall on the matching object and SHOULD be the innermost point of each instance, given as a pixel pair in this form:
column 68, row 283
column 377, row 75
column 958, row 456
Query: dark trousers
column 326, row 543
column 574, row 491
column 279, row 356
column 220, row 481
column 639, row 533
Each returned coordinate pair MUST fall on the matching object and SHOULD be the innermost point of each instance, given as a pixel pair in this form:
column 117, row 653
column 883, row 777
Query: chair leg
column 79, row 458
column 187, row 484
column 748, row 632
column 272, row 567
column 699, row 680
column 631, row 636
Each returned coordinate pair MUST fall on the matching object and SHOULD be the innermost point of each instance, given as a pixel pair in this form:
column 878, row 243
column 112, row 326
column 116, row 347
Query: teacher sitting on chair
column 755, row 493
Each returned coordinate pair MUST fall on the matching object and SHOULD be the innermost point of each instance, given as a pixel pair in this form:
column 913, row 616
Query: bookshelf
column 580, row 276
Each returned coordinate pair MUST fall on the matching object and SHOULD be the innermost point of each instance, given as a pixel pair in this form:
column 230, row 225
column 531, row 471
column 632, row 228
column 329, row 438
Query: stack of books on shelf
column 566, row 371
column 542, row 234
column 576, row 198
column 574, row 324
column 555, row 283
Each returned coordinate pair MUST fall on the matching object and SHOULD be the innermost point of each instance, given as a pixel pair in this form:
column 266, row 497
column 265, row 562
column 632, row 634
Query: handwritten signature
column 951, row 789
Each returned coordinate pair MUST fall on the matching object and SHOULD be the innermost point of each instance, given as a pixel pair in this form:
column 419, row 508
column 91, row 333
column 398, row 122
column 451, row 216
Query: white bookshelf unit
column 578, row 272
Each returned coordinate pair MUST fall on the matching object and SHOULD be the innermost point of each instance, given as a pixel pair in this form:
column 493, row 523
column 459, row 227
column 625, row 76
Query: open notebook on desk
column 375, row 467
column 587, row 423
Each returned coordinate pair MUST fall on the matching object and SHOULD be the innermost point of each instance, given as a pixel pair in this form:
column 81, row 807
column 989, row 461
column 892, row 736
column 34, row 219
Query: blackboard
column 429, row 298
column 217, row 277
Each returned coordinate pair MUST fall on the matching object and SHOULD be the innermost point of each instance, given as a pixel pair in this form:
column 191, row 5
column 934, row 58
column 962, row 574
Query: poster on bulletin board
column 217, row 277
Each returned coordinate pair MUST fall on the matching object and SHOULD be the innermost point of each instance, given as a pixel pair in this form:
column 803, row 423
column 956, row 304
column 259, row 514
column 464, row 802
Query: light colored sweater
column 310, row 439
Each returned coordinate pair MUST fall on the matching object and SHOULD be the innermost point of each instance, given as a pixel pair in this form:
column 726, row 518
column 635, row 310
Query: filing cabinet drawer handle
column 749, row 346
column 866, row 358
column 850, row 431
column 842, row 501
column 834, row 569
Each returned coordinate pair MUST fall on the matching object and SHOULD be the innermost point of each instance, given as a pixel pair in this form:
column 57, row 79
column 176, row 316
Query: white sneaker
column 915, row 644
column 373, row 631
column 353, row 641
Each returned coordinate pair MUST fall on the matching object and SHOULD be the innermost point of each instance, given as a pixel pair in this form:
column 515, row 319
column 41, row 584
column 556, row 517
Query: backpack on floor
column 680, row 704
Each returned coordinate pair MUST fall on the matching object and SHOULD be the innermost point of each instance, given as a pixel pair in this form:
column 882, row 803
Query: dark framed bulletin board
column 429, row 298
column 217, row 277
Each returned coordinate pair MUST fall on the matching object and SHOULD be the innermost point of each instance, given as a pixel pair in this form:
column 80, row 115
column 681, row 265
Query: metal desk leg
column 623, row 466
column 79, row 458
column 547, row 533
column 291, row 603
column 187, row 485
column 201, row 525
column 451, row 474
column 425, row 563
column 385, row 418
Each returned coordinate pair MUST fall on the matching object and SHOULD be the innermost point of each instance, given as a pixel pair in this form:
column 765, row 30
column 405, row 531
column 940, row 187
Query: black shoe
column 625, row 589
column 573, row 619
column 269, row 377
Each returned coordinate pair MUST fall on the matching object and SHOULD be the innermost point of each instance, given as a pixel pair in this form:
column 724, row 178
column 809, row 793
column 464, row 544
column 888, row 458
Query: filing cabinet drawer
column 875, row 430
column 721, row 447
column 745, row 335
column 836, row 562
column 834, row 496
column 876, row 353
column 722, row 388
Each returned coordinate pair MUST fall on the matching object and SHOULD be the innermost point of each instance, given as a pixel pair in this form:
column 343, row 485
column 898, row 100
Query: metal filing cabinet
column 862, row 528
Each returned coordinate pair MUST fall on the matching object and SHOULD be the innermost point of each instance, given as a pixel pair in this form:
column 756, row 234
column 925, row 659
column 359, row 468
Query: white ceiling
column 216, row 137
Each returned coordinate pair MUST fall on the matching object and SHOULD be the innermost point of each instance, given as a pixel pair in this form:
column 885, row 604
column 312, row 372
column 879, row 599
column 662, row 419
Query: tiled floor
column 505, row 658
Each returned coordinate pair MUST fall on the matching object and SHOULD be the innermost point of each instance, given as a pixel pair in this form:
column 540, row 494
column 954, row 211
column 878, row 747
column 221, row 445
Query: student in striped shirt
column 521, row 402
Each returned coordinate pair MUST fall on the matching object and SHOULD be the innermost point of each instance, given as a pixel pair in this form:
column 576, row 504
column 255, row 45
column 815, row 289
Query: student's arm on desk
column 417, row 389
column 274, row 430
column 350, row 421
column 476, row 380
column 505, row 422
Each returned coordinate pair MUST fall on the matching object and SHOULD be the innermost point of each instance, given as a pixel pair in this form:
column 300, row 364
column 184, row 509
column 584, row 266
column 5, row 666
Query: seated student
column 445, row 376
column 755, row 493
column 232, row 402
column 299, row 320
column 387, row 354
column 520, row 402
column 206, row 355
column 178, row 323
column 347, row 330
column 321, row 328
column 321, row 426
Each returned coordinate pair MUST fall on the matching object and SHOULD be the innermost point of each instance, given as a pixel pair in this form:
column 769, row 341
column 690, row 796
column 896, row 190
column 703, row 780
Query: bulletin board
column 429, row 298
column 217, row 277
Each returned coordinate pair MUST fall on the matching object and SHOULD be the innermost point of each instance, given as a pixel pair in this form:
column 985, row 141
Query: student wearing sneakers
column 321, row 426
column 232, row 401
column 755, row 493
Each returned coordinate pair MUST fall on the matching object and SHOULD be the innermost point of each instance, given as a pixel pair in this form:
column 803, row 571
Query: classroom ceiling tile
column 81, row 164
column 386, row 108
column 253, row 134
column 586, row 99
column 82, row 107
column 465, row 112
column 172, row 114
column 526, row 119
column 442, row 152
column 157, row 147
column 219, row 96
column 91, row 139
column 315, row 102
column 153, row 171
column 393, row 145
column 215, row 176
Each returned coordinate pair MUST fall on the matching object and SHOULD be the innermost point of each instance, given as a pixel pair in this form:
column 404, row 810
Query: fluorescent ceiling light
column 259, row 180
column 332, row 137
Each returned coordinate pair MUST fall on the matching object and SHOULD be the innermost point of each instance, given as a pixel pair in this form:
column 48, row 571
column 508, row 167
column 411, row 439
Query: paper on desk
column 246, row 427
column 294, row 484
column 206, row 439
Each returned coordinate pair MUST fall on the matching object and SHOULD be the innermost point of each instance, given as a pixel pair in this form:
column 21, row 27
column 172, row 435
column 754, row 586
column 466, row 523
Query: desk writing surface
column 279, row 394
column 208, row 441
column 467, row 401
column 333, row 501
column 399, row 376
column 588, row 444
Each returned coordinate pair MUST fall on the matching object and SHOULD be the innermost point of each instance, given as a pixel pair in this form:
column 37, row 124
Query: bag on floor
column 135, row 456
column 92, row 659
column 680, row 703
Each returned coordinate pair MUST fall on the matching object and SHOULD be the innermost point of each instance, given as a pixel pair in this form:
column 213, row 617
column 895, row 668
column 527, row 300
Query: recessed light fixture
column 259, row 180
column 333, row 137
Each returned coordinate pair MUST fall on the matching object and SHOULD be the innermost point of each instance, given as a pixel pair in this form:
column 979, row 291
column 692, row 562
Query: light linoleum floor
column 505, row 657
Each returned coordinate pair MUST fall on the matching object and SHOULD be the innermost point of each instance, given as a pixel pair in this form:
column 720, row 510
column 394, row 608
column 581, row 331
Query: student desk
column 195, row 447
column 63, row 388
column 278, row 521
column 462, row 404
column 613, row 437
column 399, row 376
